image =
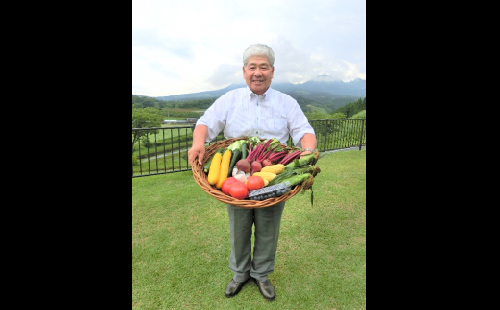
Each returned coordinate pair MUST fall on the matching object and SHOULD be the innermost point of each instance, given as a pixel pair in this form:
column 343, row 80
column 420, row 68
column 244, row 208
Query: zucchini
column 224, row 167
column 213, row 174
column 206, row 167
column 244, row 150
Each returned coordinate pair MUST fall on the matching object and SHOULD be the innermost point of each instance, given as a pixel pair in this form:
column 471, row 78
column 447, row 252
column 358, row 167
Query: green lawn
column 180, row 244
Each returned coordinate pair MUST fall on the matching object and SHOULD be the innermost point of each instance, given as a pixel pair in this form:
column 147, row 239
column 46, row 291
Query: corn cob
column 265, row 175
column 276, row 169
column 314, row 170
column 288, row 172
column 309, row 159
column 268, row 192
column 282, row 176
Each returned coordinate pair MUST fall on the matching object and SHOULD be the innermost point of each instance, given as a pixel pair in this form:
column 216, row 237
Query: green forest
column 314, row 107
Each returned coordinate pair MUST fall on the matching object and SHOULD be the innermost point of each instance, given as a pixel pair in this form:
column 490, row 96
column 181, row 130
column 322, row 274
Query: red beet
column 243, row 165
column 266, row 162
column 255, row 167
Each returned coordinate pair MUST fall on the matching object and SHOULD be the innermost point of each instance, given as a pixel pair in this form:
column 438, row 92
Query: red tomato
column 238, row 190
column 255, row 182
column 226, row 183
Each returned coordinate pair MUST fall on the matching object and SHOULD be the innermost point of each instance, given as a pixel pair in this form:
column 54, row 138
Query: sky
column 191, row 46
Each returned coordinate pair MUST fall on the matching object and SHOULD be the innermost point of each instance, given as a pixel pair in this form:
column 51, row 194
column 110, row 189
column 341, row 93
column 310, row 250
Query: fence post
column 361, row 138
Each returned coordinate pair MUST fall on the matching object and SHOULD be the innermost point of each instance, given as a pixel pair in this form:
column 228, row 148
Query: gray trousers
column 267, row 226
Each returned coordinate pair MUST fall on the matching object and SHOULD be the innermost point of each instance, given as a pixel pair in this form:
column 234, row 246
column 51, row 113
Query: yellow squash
column 224, row 167
column 213, row 173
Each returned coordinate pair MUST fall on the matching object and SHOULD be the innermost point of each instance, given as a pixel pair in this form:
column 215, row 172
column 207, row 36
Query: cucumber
column 244, row 150
column 234, row 159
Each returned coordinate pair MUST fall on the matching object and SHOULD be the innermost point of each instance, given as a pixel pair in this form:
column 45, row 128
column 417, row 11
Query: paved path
column 363, row 147
column 162, row 155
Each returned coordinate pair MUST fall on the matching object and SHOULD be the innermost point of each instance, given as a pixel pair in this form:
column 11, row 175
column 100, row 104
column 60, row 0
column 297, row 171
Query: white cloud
column 181, row 47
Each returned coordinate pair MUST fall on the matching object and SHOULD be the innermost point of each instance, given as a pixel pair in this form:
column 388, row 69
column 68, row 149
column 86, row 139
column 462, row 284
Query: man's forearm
column 308, row 140
column 200, row 134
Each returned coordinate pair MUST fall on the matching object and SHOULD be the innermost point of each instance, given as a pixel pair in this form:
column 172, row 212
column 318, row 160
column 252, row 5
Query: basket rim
column 201, row 178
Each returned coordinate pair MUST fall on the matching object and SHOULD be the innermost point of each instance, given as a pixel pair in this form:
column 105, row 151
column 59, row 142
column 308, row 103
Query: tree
column 337, row 115
column 315, row 115
column 144, row 118
column 352, row 108
column 360, row 114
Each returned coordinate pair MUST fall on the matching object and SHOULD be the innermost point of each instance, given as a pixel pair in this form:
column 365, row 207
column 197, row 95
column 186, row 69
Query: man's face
column 258, row 73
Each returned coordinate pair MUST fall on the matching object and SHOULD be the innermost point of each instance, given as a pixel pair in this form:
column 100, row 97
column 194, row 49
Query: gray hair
column 258, row 50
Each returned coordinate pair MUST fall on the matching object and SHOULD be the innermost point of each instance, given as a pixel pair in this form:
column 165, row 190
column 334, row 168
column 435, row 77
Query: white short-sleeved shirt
column 241, row 113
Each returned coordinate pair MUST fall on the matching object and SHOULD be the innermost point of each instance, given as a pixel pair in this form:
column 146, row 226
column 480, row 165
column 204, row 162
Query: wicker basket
column 201, row 178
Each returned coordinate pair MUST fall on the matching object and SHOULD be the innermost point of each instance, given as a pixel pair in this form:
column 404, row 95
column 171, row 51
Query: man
column 260, row 111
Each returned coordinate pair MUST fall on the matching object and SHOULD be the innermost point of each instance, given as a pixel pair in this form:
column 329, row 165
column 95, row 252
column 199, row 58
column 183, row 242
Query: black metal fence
column 160, row 150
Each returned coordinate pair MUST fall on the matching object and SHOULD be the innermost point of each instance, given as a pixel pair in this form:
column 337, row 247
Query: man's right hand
column 200, row 134
column 195, row 151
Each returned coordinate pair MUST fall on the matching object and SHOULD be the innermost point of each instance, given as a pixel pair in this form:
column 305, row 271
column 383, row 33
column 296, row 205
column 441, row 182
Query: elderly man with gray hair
column 254, row 111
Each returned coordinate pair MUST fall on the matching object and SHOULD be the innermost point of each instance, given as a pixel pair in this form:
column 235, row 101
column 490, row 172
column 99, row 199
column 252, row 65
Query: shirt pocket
column 276, row 127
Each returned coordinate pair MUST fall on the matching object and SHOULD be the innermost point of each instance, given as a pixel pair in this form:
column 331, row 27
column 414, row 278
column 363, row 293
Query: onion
column 241, row 177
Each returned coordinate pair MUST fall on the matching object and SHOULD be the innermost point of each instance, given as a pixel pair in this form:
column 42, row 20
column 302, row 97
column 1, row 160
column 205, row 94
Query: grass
column 317, row 109
column 180, row 244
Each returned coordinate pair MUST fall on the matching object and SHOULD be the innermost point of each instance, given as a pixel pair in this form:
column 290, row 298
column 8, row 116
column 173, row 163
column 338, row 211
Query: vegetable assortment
column 258, row 170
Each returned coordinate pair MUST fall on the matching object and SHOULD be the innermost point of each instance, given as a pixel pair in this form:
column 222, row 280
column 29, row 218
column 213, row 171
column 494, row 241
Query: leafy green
column 236, row 145
column 309, row 159
column 253, row 141
column 276, row 143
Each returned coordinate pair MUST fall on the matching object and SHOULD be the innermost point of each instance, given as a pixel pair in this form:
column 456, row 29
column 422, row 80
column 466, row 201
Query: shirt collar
column 251, row 94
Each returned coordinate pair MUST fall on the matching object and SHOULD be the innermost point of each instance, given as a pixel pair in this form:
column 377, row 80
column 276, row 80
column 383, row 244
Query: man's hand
column 308, row 143
column 196, row 151
column 200, row 134
column 304, row 153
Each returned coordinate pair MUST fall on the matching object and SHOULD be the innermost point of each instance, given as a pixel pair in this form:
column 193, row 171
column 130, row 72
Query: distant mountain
column 322, row 85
